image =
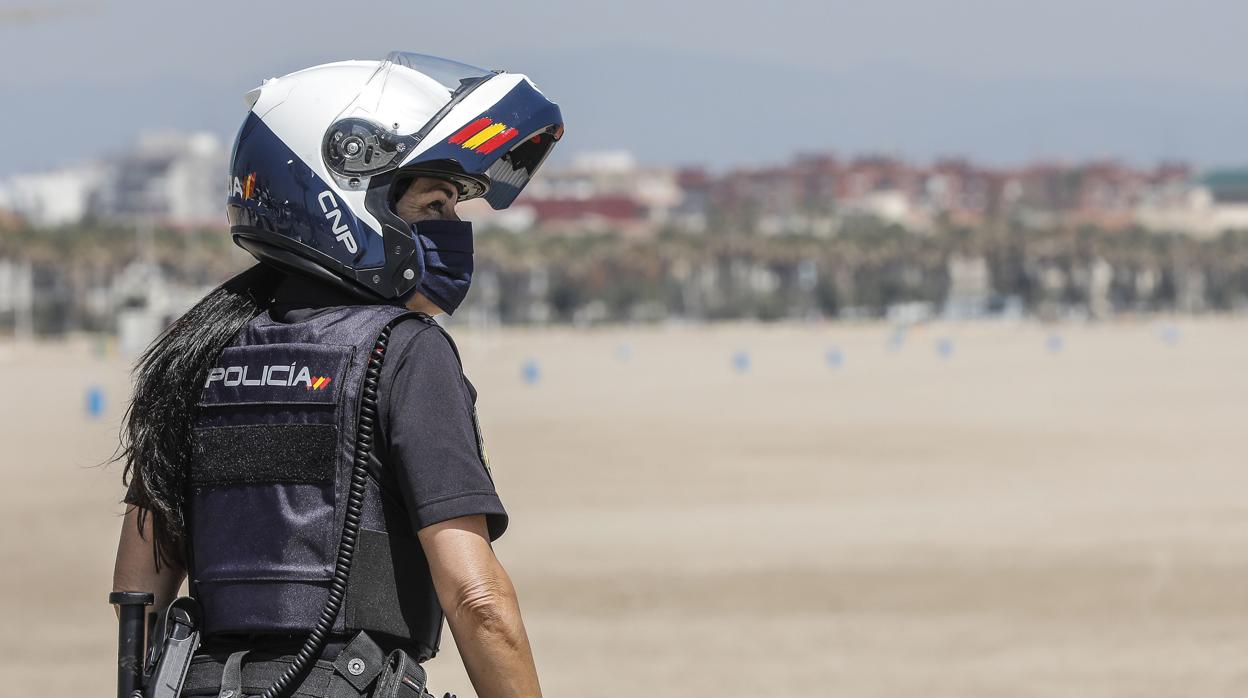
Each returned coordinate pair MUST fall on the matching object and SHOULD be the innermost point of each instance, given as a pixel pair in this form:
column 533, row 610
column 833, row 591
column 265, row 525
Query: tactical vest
column 272, row 456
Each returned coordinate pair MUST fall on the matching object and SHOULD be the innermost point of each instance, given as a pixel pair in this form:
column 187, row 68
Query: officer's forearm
column 492, row 641
column 480, row 604
column 135, row 568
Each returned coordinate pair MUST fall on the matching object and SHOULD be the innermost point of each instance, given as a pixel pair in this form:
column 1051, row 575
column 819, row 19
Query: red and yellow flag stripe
column 484, row 135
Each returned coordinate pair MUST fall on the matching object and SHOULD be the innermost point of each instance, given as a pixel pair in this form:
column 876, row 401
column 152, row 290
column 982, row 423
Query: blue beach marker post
column 833, row 357
column 741, row 362
column 1054, row 343
column 1169, row 334
column 531, row 372
column 95, row 402
column 897, row 338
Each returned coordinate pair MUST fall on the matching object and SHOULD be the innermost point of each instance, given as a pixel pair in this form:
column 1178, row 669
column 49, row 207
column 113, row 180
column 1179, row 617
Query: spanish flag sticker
column 319, row 383
column 483, row 136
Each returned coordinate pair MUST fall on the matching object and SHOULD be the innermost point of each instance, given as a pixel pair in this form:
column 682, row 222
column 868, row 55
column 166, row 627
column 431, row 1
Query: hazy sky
column 674, row 81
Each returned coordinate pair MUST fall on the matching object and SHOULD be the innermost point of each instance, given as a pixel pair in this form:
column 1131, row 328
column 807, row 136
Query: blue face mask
column 444, row 260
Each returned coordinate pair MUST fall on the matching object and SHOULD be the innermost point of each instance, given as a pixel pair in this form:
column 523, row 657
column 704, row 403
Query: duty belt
column 361, row 669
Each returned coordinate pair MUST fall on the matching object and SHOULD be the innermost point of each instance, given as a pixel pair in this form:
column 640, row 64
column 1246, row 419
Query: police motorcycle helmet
column 325, row 152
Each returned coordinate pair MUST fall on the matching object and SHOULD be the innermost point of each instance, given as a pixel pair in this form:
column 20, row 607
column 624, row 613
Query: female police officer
column 291, row 431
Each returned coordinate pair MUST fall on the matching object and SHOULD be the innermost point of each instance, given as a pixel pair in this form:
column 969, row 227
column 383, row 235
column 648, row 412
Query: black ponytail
column 156, row 433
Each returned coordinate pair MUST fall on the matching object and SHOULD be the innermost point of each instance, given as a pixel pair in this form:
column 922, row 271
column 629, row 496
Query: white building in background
column 970, row 287
column 890, row 206
column 1205, row 207
column 57, row 197
column 17, row 296
column 1194, row 211
column 172, row 178
column 168, row 178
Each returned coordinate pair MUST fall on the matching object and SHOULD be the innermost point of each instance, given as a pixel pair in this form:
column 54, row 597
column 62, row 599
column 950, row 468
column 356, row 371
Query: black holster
column 173, row 645
column 402, row 678
column 361, row 670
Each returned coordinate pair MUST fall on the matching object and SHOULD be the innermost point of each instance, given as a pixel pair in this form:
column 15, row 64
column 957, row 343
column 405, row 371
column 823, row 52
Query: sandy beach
column 810, row 510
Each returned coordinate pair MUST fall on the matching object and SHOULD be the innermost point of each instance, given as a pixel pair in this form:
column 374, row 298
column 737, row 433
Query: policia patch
column 276, row 374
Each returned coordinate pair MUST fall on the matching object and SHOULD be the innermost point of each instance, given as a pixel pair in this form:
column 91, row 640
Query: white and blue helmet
column 316, row 163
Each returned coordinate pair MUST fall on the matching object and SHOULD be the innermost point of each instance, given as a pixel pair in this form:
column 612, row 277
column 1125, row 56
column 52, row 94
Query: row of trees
column 864, row 271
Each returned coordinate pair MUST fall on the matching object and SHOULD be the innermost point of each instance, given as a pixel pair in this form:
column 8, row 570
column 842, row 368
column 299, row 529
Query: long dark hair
column 156, row 433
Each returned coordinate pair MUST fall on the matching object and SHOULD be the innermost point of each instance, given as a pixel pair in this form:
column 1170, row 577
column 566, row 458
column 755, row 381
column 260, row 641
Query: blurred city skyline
column 720, row 85
column 171, row 178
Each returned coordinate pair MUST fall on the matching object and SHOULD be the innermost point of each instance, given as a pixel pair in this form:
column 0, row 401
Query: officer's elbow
column 487, row 605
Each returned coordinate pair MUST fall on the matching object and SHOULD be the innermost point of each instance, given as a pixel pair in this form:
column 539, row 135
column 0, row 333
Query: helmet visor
column 510, row 173
column 452, row 75
column 404, row 97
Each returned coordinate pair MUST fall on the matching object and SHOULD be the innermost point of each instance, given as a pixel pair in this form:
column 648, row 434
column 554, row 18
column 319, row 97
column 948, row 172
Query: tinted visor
column 510, row 173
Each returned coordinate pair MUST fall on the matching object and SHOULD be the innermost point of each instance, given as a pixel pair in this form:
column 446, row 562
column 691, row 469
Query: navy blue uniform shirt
column 429, row 438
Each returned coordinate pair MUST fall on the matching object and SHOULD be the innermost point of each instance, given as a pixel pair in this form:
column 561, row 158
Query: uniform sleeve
column 432, row 439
